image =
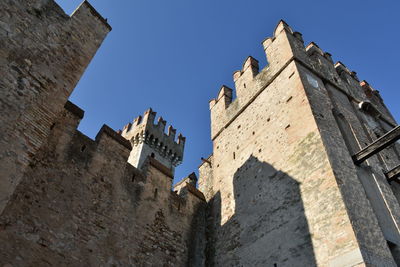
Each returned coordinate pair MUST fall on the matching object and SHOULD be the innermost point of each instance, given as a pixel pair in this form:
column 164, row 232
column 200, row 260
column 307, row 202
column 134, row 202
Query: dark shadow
column 268, row 227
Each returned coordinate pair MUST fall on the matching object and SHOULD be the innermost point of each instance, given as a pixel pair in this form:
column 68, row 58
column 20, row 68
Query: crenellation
column 341, row 68
column 171, row 132
column 280, row 50
column 369, row 91
column 181, row 140
column 149, row 116
column 161, row 123
column 224, row 97
column 244, row 79
column 150, row 139
column 314, row 48
column 350, row 81
column 282, row 25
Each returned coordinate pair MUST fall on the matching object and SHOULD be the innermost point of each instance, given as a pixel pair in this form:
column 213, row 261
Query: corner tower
column 289, row 182
column 150, row 139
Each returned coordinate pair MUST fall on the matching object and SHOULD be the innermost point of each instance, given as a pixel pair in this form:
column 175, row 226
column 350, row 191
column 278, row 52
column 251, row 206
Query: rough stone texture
column 76, row 201
column 283, row 188
column 81, row 203
column 43, row 53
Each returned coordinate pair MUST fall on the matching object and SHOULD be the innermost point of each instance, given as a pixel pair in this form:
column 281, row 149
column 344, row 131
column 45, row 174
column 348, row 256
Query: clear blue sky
column 174, row 55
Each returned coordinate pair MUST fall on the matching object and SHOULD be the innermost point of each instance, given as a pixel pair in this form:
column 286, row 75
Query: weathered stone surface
column 43, row 54
column 81, row 203
column 77, row 201
column 283, row 188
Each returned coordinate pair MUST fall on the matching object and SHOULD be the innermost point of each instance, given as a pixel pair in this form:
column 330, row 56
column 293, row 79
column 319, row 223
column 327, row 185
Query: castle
column 303, row 171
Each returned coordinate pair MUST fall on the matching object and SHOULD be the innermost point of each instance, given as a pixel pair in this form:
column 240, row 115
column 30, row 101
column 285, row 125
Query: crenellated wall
column 81, row 203
column 150, row 139
column 283, row 188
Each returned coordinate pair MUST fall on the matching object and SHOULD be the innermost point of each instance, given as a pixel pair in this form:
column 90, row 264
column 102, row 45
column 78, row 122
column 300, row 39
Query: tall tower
column 295, row 178
column 47, row 52
column 150, row 139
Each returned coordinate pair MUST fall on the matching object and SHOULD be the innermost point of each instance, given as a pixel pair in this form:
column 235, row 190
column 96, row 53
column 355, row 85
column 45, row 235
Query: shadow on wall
column 268, row 228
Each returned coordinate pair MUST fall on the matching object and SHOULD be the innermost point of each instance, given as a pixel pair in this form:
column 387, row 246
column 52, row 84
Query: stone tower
column 150, row 139
column 300, row 171
column 39, row 68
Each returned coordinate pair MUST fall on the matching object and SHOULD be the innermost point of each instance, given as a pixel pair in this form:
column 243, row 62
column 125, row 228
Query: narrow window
column 83, row 148
column 155, row 193
column 152, row 155
column 234, row 155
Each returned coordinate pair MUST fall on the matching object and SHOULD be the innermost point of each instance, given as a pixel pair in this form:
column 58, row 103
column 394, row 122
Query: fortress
column 303, row 172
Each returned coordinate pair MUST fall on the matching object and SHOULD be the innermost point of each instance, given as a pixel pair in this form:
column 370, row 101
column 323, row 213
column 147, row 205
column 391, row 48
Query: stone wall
column 81, row 203
column 43, row 54
column 337, row 99
column 283, row 188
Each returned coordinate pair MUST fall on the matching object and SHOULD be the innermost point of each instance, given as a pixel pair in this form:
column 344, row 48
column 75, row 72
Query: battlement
column 369, row 90
column 285, row 48
column 143, row 130
column 340, row 68
column 250, row 81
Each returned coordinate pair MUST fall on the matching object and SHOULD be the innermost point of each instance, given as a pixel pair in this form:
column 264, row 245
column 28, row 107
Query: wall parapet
column 283, row 48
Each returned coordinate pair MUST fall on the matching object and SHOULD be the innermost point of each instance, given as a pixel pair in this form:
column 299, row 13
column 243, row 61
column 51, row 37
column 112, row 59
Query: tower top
column 149, row 139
